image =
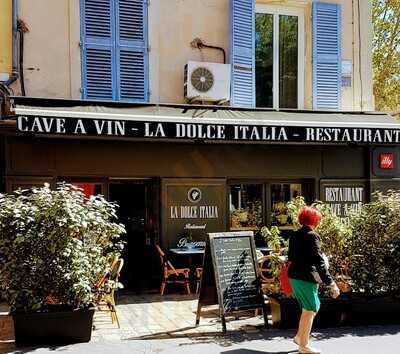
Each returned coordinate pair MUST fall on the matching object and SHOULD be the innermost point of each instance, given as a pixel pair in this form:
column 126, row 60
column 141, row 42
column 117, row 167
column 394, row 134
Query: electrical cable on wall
column 21, row 28
column 198, row 43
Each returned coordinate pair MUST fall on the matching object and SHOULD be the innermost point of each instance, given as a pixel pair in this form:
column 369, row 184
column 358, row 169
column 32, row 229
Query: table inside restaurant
column 200, row 250
column 194, row 252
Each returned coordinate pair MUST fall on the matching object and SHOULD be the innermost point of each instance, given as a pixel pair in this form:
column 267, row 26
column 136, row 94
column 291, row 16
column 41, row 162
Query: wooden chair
column 172, row 274
column 199, row 272
column 107, row 286
column 269, row 285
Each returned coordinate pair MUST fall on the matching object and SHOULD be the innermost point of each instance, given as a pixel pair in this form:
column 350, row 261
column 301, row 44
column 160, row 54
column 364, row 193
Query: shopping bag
column 284, row 279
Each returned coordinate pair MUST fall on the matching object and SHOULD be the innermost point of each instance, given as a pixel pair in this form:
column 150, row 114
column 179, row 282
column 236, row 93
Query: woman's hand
column 335, row 292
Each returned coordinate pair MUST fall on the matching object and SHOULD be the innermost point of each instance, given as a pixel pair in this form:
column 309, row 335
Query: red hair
column 309, row 216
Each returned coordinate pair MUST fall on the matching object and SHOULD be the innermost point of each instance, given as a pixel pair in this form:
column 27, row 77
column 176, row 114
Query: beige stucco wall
column 52, row 52
column 179, row 23
column 5, row 39
column 51, row 48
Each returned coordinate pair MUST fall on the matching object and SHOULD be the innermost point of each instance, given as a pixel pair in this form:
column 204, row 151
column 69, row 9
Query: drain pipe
column 14, row 74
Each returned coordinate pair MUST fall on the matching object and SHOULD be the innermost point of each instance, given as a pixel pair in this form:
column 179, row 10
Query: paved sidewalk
column 154, row 324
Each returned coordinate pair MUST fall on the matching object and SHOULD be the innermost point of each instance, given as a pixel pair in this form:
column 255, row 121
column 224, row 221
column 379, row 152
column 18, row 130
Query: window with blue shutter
column 97, row 50
column 132, row 50
column 114, row 50
column 326, row 56
column 243, row 53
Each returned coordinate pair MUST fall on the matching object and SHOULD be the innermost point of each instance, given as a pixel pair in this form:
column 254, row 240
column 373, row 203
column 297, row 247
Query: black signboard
column 240, row 132
column 343, row 196
column 230, row 276
column 191, row 209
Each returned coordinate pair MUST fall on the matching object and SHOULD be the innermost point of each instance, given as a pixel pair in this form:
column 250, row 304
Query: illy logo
column 386, row 161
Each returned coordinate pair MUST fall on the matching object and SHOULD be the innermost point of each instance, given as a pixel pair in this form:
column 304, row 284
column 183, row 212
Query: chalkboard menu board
column 230, row 275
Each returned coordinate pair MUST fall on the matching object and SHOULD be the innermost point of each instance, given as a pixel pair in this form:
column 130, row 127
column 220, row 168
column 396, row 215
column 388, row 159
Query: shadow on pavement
column 241, row 335
column 126, row 297
column 250, row 351
column 236, row 336
column 361, row 331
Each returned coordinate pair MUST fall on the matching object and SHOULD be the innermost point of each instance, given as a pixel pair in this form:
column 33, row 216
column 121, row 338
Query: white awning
column 208, row 123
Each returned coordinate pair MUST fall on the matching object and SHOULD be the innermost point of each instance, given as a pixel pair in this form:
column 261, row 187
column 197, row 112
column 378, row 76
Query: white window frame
column 299, row 13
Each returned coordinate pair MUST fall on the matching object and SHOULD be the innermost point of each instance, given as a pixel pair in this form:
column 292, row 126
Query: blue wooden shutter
column 98, row 76
column 243, row 53
column 326, row 56
column 132, row 67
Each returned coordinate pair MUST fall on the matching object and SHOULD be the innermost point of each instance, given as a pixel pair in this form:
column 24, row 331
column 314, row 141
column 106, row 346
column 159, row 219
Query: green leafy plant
column 273, row 239
column 375, row 246
column 278, row 246
column 386, row 54
column 54, row 245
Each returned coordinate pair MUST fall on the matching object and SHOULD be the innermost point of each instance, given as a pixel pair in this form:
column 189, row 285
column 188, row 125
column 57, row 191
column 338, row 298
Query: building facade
column 118, row 113
column 162, row 32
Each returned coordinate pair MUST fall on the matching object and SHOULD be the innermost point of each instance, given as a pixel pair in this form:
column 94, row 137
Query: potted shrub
column 375, row 261
column 284, row 310
column 54, row 245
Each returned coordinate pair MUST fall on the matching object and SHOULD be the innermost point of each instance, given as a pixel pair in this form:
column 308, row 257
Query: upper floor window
column 114, row 50
column 279, row 57
column 267, row 55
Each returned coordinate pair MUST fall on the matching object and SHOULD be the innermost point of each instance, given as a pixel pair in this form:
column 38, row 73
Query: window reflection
column 288, row 49
column 264, row 59
column 281, row 194
column 246, row 212
column 286, row 46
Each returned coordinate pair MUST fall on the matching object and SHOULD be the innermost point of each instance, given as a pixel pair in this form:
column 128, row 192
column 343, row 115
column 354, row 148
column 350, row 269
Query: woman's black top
column 305, row 256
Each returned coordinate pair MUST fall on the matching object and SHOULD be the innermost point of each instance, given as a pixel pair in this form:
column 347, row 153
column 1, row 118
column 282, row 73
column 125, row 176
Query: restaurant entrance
column 138, row 211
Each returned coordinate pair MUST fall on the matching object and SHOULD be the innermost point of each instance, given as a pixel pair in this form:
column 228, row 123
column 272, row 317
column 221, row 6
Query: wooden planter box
column 377, row 310
column 53, row 327
column 286, row 312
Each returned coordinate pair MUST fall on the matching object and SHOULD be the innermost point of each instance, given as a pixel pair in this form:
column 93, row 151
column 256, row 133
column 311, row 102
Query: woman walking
column 307, row 269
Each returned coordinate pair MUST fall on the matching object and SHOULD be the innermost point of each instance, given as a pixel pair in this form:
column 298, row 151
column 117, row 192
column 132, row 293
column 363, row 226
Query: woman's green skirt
column 306, row 293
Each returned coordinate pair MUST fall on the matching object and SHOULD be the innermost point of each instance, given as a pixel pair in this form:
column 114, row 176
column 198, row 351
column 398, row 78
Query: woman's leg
column 305, row 325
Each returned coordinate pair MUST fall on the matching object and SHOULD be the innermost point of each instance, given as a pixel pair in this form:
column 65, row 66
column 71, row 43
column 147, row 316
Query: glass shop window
column 246, row 206
column 281, row 193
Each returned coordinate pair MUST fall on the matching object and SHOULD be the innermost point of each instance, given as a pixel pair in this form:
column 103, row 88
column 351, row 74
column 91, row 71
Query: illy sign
column 386, row 161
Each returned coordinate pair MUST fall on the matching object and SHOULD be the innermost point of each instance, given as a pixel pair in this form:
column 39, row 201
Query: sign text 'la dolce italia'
column 194, row 212
column 228, row 132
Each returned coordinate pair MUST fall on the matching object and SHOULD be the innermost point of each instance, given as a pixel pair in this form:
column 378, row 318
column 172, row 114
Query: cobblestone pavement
column 155, row 324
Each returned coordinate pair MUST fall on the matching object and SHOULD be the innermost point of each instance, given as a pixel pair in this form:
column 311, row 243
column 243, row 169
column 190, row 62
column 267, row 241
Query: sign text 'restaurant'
column 227, row 132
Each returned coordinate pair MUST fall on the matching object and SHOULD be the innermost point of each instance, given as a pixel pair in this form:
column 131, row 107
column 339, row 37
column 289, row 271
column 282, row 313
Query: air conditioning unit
column 207, row 82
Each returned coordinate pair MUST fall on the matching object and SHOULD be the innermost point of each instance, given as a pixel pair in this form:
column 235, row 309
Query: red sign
column 386, row 161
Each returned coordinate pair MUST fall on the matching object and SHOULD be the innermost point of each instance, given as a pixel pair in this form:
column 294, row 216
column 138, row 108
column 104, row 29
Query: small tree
column 386, row 54
column 54, row 244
